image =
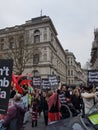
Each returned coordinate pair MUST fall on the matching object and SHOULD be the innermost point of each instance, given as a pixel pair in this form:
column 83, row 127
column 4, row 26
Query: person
column 34, row 112
column 15, row 116
column 24, row 89
column 45, row 107
column 64, row 97
column 53, row 107
column 88, row 98
column 12, row 92
column 77, row 101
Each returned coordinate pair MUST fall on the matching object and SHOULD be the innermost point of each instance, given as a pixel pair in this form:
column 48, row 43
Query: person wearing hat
column 15, row 115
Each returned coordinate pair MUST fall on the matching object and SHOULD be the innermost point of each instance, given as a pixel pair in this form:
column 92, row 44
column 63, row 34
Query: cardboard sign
column 5, row 83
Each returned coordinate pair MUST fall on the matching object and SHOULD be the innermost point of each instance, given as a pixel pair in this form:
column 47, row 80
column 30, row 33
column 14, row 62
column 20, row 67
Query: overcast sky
column 74, row 20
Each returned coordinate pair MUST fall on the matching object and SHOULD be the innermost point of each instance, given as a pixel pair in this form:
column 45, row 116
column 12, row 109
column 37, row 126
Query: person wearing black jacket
column 64, row 97
column 45, row 108
column 77, row 101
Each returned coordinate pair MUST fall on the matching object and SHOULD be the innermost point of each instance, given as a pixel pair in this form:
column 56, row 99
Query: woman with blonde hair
column 77, row 101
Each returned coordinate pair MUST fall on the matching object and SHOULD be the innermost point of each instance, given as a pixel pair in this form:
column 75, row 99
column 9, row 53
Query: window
column 21, row 41
column 72, row 81
column 36, row 36
column 68, row 61
column 71, row 61
column 45, row 57
column 71, row 72
column 35, row 73
column 69, row 81
column 52, row 72
column 2, row 44
column 45, row 36
column 11, row 43
column 36, row 59
column 68, row 72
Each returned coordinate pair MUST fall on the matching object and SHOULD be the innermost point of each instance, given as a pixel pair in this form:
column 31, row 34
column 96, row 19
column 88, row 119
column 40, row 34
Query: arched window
column 36, row 59
column 36, row 36
column 35, row 73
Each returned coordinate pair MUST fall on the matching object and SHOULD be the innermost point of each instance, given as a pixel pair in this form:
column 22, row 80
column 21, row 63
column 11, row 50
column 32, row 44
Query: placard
column 37, row 82
column 53, row 81
column 45, row 84
column 5, row 83
column 92, row 77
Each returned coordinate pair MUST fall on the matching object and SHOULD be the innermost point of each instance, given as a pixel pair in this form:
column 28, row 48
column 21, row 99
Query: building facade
column 76, row 76
column 48, row 56
column 94, row 51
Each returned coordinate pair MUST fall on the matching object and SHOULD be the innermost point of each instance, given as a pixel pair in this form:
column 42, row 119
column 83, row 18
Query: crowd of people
column 53, row 103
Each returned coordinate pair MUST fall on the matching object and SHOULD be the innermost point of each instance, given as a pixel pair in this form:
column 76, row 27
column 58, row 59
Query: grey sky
column 74, row 20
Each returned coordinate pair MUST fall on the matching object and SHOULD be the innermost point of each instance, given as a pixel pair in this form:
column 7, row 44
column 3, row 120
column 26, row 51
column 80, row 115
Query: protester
column 45, row 108
column 64, row 97
column 88, row 98
column 15, row 115
column 12, row 92
column 77, row 101
column 34, row 112
column 24, row 89
column 40, row 100
column 53, row 107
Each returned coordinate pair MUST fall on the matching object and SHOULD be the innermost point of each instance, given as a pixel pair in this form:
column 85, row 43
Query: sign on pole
column 5, row 83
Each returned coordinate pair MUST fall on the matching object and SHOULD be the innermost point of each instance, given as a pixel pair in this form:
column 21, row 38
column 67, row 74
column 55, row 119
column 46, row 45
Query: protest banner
column 36, row 82
column 53, row 81
column 45, row 84
column 92, row 78
column 5, row 83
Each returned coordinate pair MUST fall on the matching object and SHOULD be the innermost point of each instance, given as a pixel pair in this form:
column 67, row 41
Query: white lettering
column 4, row 82
column 3, row 94
column 4, row 71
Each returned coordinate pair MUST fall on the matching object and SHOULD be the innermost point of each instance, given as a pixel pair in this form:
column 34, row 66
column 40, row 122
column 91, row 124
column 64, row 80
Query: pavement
column 41, row 124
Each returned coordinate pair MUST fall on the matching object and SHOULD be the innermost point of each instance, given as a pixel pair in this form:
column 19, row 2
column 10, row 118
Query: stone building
column 40, row 36
column 94, row 51
column 75, row 74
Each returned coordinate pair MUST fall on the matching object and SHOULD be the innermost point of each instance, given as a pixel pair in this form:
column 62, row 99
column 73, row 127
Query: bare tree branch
column 21, row 53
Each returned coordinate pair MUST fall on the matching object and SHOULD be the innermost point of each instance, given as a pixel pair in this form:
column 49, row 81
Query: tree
column 21, row 53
